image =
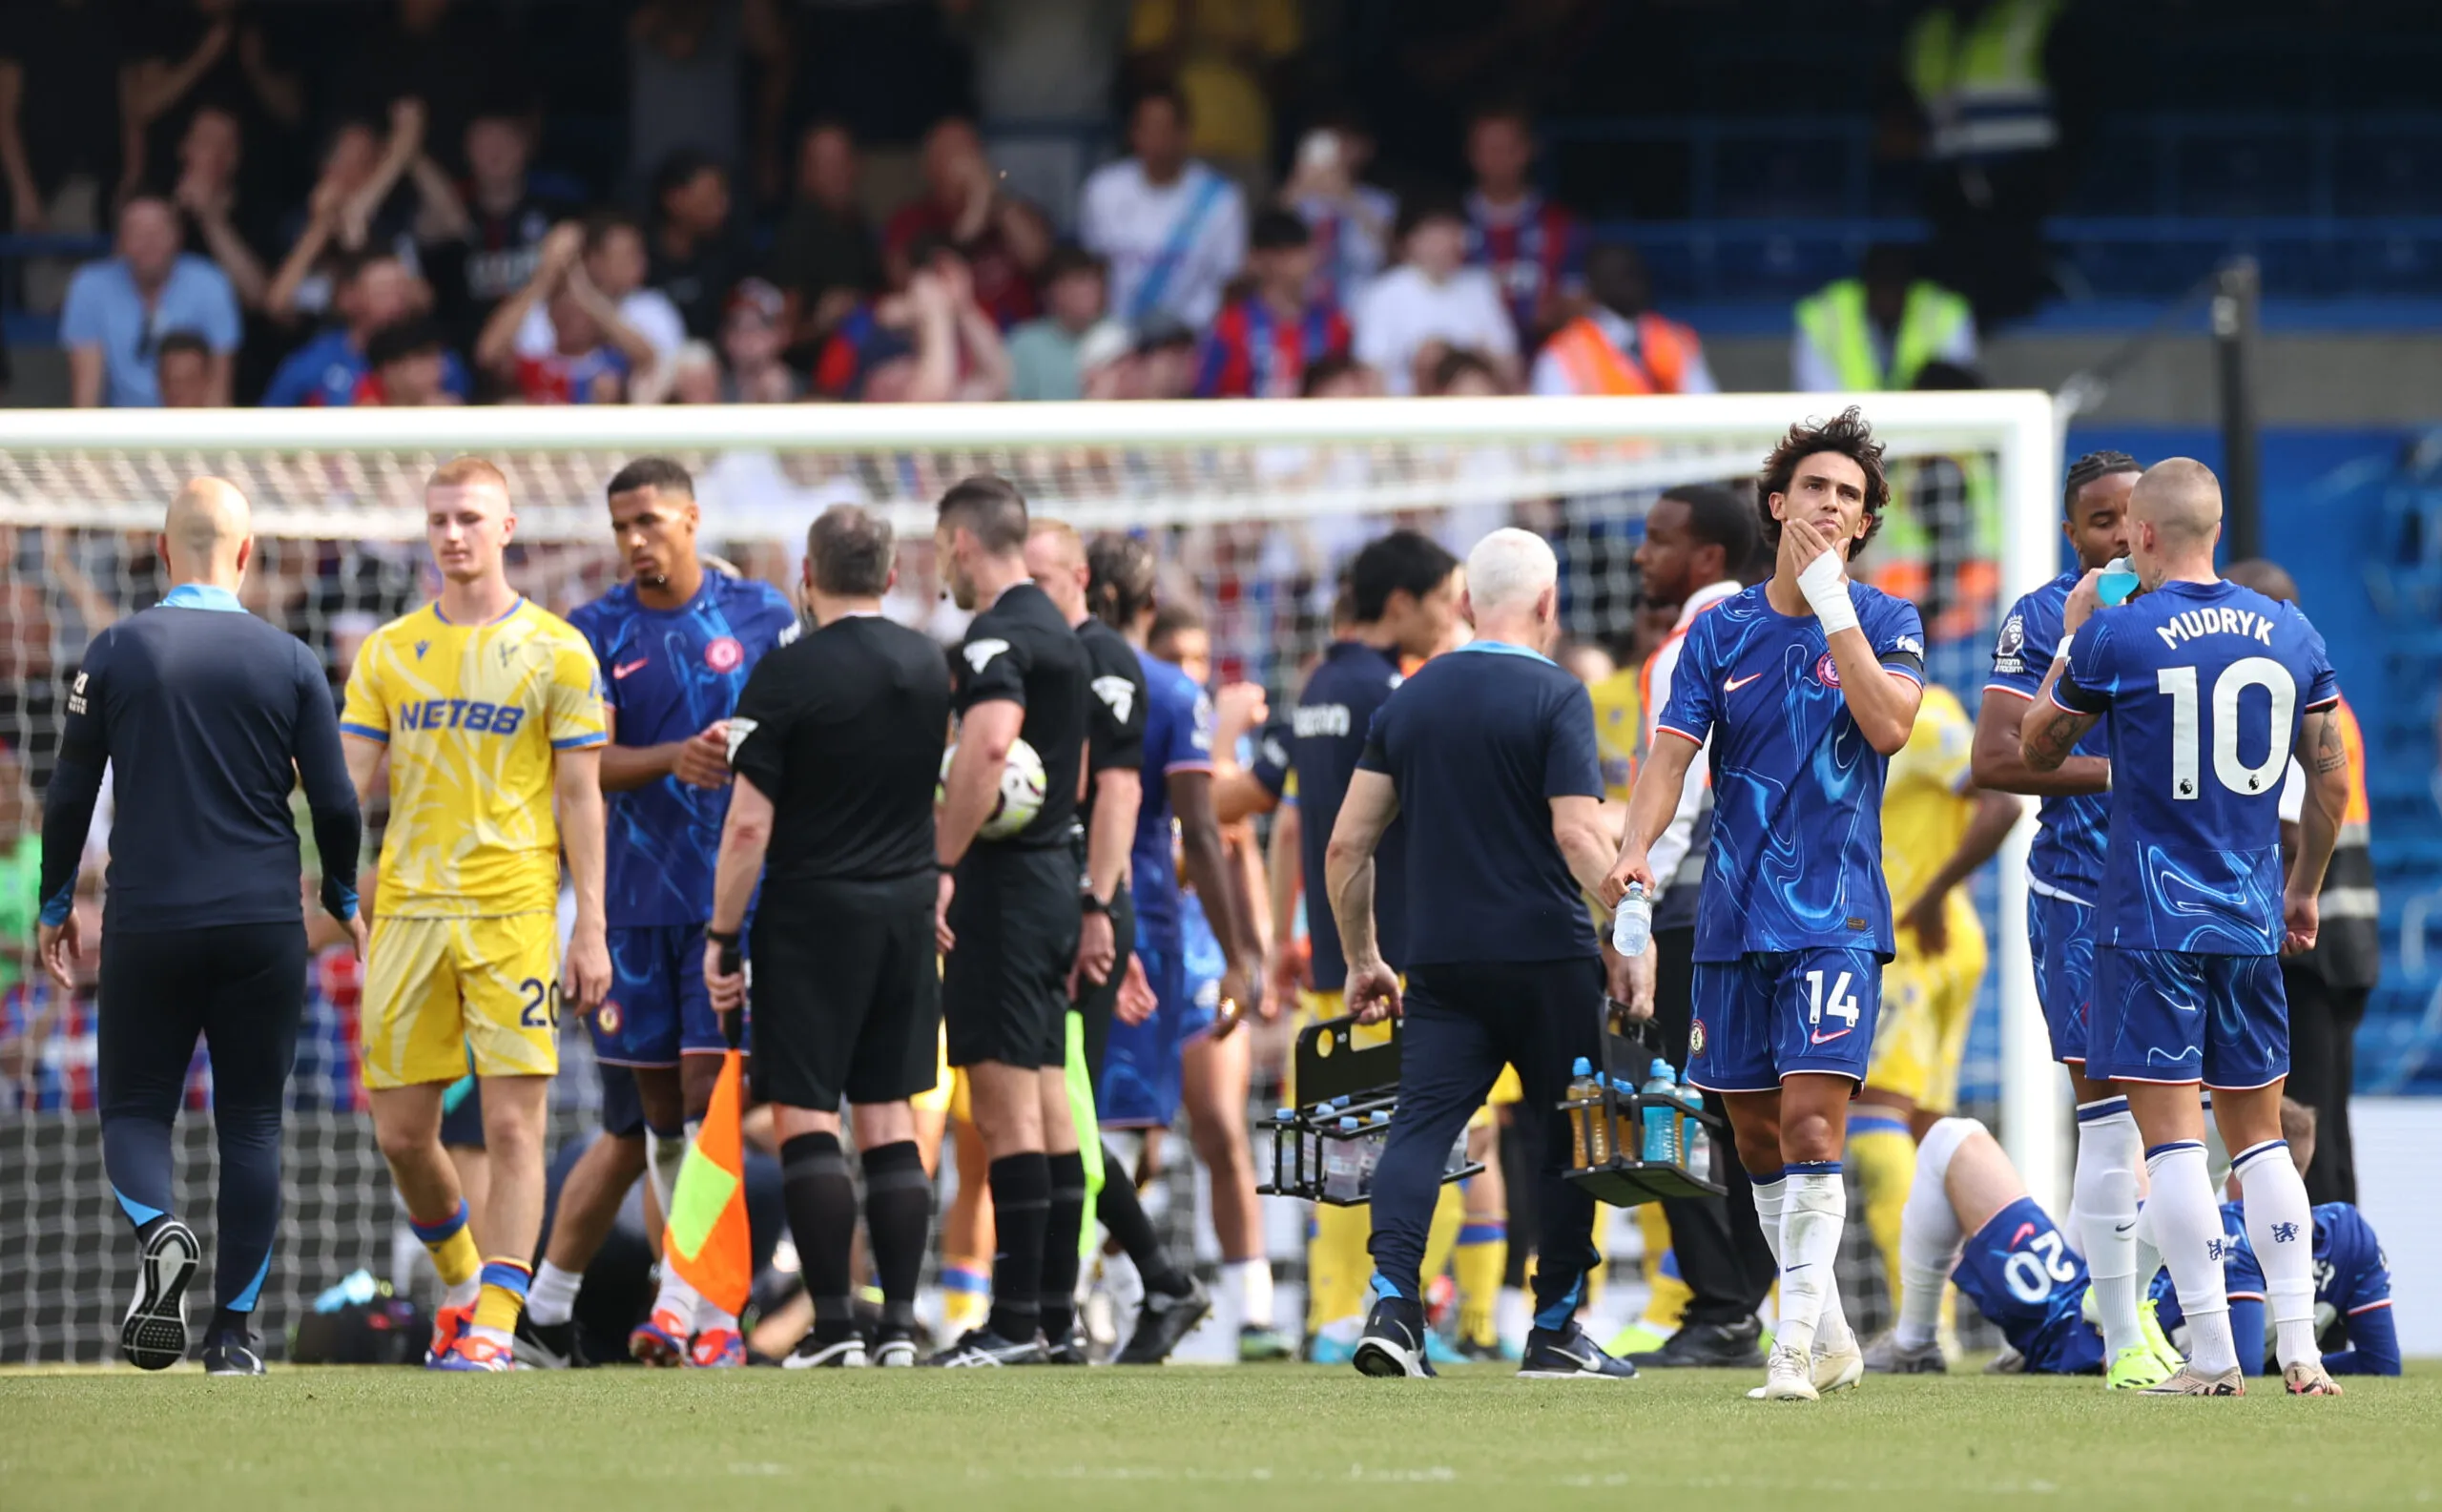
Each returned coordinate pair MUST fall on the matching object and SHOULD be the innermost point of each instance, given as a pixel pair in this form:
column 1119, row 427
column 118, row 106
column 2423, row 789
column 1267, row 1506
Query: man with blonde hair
column 489, row 711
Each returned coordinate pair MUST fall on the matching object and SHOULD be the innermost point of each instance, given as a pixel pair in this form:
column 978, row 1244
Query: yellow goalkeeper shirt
column 1926, row 810
column 473, row 715
column 1619, row 727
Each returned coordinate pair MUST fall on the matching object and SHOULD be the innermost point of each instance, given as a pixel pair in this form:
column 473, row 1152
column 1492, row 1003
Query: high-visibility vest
column 1834, row 318
column 1664, row 349
column 1984, row 89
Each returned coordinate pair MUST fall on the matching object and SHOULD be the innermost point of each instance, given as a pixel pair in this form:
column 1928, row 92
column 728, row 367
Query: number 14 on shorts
column 1838, row 1003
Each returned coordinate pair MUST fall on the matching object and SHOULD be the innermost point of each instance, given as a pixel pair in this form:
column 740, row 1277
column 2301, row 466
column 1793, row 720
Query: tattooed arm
column 2322, row 752
column 2050, row 731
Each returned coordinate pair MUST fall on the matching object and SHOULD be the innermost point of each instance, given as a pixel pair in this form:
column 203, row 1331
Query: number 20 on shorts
column 542, row 1010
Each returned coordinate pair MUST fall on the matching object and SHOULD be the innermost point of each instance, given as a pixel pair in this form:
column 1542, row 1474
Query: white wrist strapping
column 1824, row 583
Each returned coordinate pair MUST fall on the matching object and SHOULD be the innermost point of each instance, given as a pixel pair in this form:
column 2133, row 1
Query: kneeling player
column 1969, row 1219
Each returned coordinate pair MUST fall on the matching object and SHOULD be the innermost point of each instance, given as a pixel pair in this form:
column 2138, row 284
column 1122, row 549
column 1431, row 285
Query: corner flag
column 706, row 1240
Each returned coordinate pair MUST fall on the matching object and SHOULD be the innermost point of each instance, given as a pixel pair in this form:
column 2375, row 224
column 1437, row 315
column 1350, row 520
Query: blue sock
column 136, row 1154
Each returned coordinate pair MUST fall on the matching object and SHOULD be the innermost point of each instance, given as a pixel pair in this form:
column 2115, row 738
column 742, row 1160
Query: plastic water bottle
column 1633, row 922
column 1593, row 1132
column 2119, row 580
column 1343, row 1169
column 1369, row 1151
column 1659, row 1113
column 1695, row 1141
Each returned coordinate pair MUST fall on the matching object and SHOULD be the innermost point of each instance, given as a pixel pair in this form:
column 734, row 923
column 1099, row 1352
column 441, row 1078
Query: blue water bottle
column 2119, row 580
column 1659, row 1113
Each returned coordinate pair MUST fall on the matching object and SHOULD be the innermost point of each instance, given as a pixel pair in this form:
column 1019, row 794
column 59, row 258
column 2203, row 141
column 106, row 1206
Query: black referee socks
column 821, row 1200
column 898, row 1213
column 1021, row 1213
column 1122, row 1212
column 1062, row 1241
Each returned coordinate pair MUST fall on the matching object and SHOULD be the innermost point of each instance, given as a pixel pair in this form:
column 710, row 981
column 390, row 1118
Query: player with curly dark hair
column 1846, row 434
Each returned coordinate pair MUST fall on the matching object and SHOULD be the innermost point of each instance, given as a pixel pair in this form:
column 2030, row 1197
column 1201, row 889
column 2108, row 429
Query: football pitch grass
column 1189, row 1438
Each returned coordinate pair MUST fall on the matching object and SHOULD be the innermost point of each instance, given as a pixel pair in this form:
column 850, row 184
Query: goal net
column 1254, row 507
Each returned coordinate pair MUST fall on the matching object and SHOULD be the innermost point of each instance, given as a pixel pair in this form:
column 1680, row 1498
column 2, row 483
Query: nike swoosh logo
column 2122, row 1228
column 1733, row 684
column 1821, row 1038
column 617, row 672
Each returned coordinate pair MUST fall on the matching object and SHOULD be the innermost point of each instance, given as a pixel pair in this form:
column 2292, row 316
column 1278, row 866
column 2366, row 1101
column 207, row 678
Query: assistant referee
column 838, row 736
column 1488, row 752
column 208, row 717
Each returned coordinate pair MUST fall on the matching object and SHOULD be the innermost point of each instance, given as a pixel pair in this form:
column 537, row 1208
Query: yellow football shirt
column 472, row 714
column 1619, row 729
column 1925, row 808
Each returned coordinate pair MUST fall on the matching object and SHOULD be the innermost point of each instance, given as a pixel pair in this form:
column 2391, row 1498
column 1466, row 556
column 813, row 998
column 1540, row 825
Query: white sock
column 464, row 1292
column 553, row 1297
column 709, row 1317
column 2149, row 1258
column 664, row 1153
column 2188, row 1227
column 1771, row 1198
column 2102, row 1215
column 1814, row 1209
column 1929, row 1235
column 1251, row 1282
column 2280, row 1227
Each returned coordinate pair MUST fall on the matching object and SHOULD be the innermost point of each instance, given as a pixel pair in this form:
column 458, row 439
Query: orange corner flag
column 707, row 1237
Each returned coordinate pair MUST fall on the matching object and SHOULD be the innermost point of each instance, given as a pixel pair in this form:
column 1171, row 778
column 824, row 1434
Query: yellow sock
column 504, row 1294
column 1337, row 1266
column 452, row 1244
column 1481, row 1259
column 1885, row 1157
column 966, row 1293
column 1442, row 1240
column 1669, row 1295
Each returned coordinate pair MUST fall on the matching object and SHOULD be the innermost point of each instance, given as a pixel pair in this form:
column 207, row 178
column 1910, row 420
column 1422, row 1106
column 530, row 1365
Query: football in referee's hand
column 1020, row 797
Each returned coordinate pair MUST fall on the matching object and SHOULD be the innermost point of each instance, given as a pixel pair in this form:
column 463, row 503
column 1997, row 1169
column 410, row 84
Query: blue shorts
column 2172, row 1016
column 623, row 1108
column 658, row 1009
column 1142, row 1069
column 1771, row 1014
column 2020, row 1273
column 2061, row 935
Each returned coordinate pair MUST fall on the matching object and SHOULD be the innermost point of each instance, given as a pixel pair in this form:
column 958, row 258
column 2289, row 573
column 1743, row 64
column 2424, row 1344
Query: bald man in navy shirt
column 1489, row 753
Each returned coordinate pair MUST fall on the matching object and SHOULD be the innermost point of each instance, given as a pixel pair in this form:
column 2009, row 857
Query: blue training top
column 208, row 717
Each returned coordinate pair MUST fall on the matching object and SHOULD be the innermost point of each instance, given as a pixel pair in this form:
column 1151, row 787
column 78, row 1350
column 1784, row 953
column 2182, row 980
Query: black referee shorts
column 1004, row 988
column 846, row 991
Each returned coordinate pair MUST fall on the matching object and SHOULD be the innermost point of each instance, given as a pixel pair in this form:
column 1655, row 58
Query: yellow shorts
column 435, row 988
column 945, row 1086
column 1927, row 1002
column 1313, row 1008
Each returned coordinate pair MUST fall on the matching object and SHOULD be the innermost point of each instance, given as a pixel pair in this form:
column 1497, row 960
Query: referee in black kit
column 1488, row 752
column 208, row 717
column 1010, row 916
column 839, row 735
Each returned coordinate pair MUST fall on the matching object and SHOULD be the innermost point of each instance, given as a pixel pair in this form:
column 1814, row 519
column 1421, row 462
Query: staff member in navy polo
column 208, row 717
column 1488, row 752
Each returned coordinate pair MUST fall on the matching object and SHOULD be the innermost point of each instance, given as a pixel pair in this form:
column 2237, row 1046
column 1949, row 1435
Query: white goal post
column 326, row 474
